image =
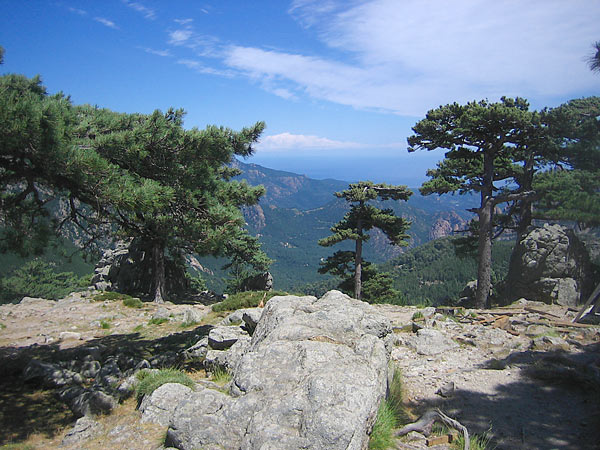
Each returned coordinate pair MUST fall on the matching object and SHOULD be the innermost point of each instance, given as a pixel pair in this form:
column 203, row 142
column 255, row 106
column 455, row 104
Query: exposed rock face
column 311, row 377
column 445, row 224
column 551, row 265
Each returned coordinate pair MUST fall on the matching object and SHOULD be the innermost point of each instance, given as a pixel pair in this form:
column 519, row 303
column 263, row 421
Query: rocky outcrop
column 261, row 282
column 128, row 268
column 446, row 224
column 311, row 377
column 550, row 264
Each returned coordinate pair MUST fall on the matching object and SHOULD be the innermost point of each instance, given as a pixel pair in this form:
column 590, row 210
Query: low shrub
column 149, row 381
column 132, row 302
column 111, row 296
column 248, row 299
column 38, row 279
column 104, row 324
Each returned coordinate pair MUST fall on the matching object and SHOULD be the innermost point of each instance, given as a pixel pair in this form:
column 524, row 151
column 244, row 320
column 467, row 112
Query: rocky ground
column 521, row 372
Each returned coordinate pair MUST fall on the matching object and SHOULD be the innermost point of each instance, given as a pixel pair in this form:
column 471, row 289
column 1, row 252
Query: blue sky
column 339, row 83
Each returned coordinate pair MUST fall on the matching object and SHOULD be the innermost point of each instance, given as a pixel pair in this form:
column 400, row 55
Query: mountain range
column 297, row 211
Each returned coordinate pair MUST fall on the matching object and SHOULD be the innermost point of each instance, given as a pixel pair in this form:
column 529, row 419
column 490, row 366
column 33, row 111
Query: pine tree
column 363, row 217
column 488, row 144
column 193, row 205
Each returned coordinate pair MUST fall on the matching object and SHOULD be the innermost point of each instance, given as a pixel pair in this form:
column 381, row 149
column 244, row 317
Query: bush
column 38, row 279
column 132, row 302
column 249, row 299
column 149, row 381
column 111, row 296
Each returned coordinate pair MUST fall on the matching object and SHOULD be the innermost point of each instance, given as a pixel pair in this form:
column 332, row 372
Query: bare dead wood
column 588, row 303
column 425, row 423
column 541, row 311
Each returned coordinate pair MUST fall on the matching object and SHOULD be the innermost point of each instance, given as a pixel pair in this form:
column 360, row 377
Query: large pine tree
column 197, row 208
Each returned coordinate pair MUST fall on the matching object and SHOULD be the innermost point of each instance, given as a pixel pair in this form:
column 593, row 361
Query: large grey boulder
column 312, row 377
column 550, row 264
column 159, row 406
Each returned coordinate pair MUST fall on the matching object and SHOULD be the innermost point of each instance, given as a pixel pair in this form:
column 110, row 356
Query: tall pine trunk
column 358, row 270
column 485, row 213
column 158, row 257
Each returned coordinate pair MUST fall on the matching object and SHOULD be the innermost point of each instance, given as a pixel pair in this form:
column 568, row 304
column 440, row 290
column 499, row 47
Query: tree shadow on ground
column 554, row 405
column 27, row 408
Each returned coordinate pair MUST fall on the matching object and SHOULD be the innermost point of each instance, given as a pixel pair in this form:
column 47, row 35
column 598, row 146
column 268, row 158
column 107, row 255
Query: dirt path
column 531, row 391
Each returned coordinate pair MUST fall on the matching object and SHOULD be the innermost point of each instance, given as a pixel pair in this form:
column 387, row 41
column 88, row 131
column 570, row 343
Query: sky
column 339, row 83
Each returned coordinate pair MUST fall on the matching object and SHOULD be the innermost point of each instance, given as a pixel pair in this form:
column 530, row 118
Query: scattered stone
column 66, row 335
column 90, row 369
column 221, row 337
column 85, row 428
column 49, row 375
column 251, row 317
column 430, row 342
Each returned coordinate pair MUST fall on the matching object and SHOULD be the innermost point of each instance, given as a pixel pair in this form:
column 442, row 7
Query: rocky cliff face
column 446, row 224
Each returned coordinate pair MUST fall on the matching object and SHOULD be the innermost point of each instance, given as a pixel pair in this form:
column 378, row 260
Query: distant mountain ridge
column 297, row 211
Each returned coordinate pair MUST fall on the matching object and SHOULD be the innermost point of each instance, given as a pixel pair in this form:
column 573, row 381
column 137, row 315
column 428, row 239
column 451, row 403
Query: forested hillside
column 433, row 274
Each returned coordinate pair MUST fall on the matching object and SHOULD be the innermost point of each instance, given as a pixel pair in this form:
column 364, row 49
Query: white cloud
column 81, row 12
column 409, row 56
column 148, row 13
column 152, row 51
column 180, row 37
column 288, row 141
column 200, row 68
column 106, row 22
column 184, row 22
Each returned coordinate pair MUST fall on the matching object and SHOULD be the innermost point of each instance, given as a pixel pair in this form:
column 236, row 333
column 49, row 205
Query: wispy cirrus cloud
column 406, row 57
column 148, row 13
column 106, row 22
column 197, row 66
column 78, row 11
column 152, row 51
column 287, row 141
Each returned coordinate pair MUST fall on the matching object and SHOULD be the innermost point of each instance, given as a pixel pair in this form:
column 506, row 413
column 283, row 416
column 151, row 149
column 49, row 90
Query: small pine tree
column 361, row 218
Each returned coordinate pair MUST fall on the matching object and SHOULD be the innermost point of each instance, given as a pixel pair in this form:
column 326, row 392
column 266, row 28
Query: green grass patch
column 138, row 328
column 157, row 321
column 188, row 324
column 417, row 315
column 481, row 441
column 221, row 376
column 111, row 296
column 2, row 326
column 105, row 325
column 391, row 414
column 17, row 447
column 150, row 381
column 249, row 299
column 382, row 436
